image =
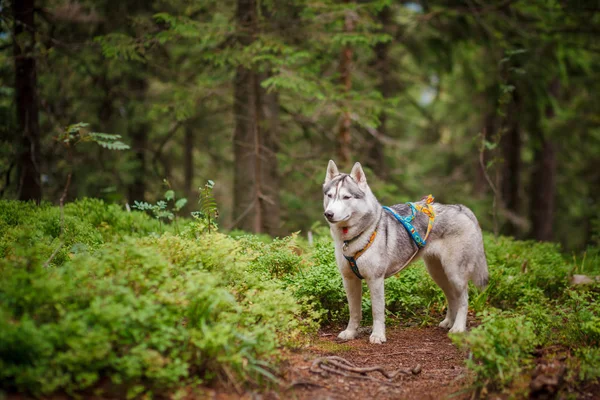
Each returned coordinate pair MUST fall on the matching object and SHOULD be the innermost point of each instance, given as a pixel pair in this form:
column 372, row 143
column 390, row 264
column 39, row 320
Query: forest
column 161, row 202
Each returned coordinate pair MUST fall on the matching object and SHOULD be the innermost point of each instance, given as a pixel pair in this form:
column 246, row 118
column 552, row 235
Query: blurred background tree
column 492, row 104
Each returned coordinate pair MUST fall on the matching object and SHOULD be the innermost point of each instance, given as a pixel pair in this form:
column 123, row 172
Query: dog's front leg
column 378, row 304
column 353, row 288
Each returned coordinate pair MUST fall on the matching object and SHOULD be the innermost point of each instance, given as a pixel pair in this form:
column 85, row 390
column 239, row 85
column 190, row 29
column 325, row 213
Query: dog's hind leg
column 458, row 280
column 436, row 270
column 462, row 308
column 353, row 288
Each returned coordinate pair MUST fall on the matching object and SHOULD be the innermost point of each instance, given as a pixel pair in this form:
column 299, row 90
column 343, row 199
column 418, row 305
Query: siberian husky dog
column 373, row 239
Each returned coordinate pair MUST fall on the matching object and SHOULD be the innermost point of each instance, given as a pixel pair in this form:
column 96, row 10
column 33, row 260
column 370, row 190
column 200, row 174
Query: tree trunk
column 543, row 179
column 30, row 187
column 346, row 80
column 511, row 169
column 139, row 144
column 387, row 88
column 256, row 181
column 188, row 161
column 270, row 203
column 138, row 131
column 543, row 183
column 481, row 185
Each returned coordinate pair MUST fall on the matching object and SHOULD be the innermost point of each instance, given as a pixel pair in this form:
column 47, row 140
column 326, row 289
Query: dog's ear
column 358, row 174
column 332, row 171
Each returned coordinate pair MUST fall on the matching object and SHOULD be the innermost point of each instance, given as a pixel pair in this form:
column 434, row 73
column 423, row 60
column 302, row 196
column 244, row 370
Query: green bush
column 588, row 363
column 150, row 313
column 88, row 223
column 111, row 219
column 523, row 271
column 321, row 283
column 122, row 307
column 578, row 319
column 530, row 282
column 501, row 348
column 276, row 258
column 412, row 294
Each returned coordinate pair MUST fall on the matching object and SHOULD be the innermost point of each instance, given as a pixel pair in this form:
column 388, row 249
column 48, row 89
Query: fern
column 208, row 207
column 108, row 141
column 79, row 132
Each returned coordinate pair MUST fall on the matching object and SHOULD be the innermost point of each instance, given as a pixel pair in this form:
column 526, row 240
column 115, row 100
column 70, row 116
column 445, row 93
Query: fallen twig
column 54, row 253
column 340, row 366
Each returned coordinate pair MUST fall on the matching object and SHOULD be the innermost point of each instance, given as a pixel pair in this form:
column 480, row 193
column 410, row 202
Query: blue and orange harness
column 426, row 209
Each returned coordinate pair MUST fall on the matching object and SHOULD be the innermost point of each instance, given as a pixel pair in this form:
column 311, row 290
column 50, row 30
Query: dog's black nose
column 328, row 214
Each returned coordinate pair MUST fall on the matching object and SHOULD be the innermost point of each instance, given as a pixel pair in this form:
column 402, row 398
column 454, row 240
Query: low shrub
column 412, row 294
column 523, row 271
column 578, row 319
column 501, row 348
column 144, row 315
column 88, row 223
column 587, row 364
column 113, row 303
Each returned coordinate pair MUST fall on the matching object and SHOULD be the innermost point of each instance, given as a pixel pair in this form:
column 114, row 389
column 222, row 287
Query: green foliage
column 119, row 303
column 209, row 212
column 413, row 295
column 145, row 315
column 277, row 258
column 321, row 284
column 160, row 209
column 588, row 359
column 578, row 319
column 501, row 348
column 528, row 281
column 79, row 133
column 121, row 46
column 27, row 230
column 522, row 271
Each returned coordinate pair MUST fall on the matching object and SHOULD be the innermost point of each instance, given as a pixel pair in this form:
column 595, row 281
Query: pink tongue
column 345, row 230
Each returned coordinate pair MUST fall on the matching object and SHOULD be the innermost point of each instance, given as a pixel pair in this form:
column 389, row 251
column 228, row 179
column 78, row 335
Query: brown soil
column 442, row 367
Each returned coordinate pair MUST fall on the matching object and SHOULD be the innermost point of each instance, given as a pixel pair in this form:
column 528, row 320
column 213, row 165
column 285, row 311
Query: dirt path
column 442, row 367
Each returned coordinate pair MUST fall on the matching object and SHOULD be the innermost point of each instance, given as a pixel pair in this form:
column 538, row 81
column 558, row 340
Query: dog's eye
column 346, row 197
column 329, row 195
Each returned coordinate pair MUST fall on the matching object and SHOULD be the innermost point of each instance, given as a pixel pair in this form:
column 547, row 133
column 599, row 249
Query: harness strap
column 354, row 267
column 352, row 260
column 427, row 209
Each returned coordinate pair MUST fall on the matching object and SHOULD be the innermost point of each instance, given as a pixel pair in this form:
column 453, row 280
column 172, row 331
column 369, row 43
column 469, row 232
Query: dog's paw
column 458, row 329
column 447, row 323
column 347, row 335
column 377, row 338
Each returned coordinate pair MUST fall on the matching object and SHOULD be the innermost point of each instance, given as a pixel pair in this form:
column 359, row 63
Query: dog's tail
column 480, row 274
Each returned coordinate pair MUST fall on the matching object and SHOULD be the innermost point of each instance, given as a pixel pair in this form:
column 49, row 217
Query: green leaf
column 179, row 204
column 490, row 145
column 169, row 195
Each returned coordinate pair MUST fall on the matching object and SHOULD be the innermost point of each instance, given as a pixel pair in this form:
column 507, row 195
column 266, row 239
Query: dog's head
column 346, row 197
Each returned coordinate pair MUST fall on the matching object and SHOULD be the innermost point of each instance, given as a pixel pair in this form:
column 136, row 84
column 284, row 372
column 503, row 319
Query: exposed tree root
column 340, row 366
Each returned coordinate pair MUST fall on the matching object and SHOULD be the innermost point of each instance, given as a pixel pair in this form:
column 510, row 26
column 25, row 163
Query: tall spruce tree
column 26, row 99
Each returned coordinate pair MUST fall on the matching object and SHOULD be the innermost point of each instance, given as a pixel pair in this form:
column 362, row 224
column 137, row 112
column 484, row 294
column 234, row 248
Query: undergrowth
column 115, row 303
column 121, row 309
